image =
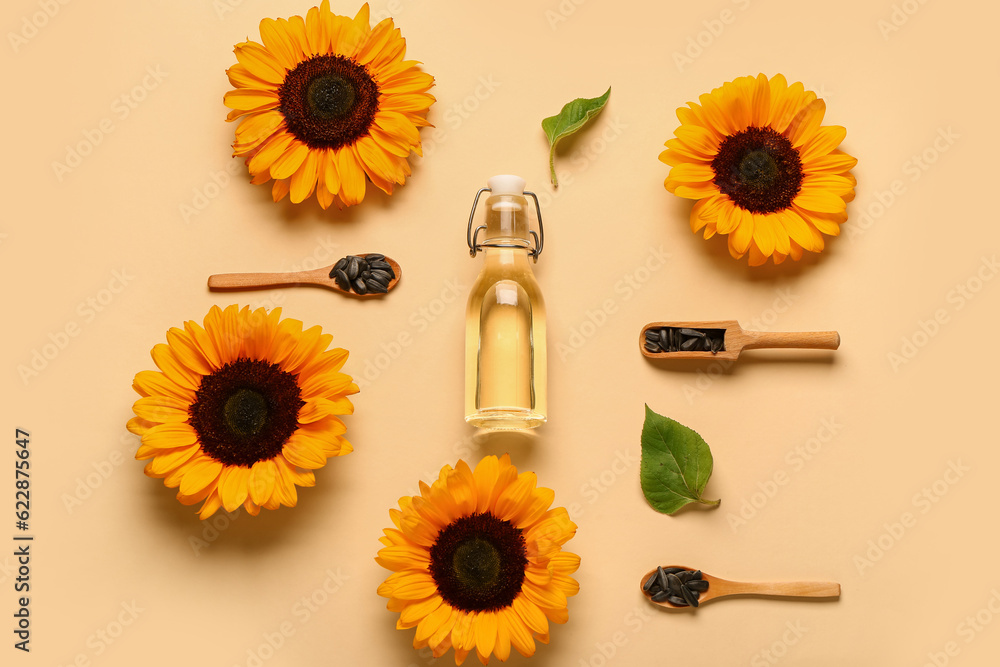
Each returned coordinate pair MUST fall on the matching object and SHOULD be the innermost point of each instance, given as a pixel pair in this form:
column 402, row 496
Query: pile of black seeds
column 679, row 339
column 675, row 585
column 367, row 274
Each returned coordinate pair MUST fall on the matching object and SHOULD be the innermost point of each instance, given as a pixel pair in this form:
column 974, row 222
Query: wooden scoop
column 321, row 277
column 723, row 588
column 737, row 339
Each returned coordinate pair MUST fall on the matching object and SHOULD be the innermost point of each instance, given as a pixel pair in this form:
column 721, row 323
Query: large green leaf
column 573, row 116
column 676, row 464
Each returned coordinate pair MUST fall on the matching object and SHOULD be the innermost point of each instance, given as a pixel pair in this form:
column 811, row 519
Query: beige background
column 500, row 69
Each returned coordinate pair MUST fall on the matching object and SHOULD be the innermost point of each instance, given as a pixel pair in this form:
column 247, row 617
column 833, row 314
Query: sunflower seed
column 375, row 286
column 662, row 577
column 698, row 585
column 652, row 335
column 664, row 339
column 343, row 282
column 650, row 582
column 692, row 332
column 359, row 286
column 696, row 575
column 374, row 257
column 381, row 276
column 652, row 347
column 341, row 264
column 677, row 601
column 689, row 344
column 674, row 570
column 690, row 596
column 674, row 584
column 685, row 576
column 380, row 263
column 353, row 267
column 661, row 596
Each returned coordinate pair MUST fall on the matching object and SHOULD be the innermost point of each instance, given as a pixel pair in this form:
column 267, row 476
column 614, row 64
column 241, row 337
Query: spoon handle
column 814, row 340
column 801, row 589
column 245, row 280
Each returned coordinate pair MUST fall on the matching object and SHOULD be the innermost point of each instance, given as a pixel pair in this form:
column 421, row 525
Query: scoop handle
column 799, row 589
column 249, row 280
column 813, row 340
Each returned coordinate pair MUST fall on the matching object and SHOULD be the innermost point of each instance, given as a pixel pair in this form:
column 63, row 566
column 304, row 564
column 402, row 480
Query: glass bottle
column 505, row 319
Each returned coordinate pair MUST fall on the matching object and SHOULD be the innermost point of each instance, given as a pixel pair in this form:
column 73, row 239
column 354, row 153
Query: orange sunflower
column 242, row 410
column 477, row 562
column 762, row 167
column 326, row 102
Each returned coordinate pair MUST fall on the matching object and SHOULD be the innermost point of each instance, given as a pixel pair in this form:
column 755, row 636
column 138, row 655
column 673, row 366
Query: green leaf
column 573, row 116
column 676, row 464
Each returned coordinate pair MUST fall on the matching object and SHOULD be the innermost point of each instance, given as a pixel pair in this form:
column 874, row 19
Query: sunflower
column 477, row 561
column 242, row 410
column 327, row 101
column 763, row 169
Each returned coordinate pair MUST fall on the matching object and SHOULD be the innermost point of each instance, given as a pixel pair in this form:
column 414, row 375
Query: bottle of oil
column 505, row 319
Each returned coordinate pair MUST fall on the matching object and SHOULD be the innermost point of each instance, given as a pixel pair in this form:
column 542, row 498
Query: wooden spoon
column 737, row 339
column 321, row 277
column 722, row 588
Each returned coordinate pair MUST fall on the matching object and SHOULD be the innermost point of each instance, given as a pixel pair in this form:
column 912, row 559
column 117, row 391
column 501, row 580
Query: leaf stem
column 713, row 503
column 552, row 165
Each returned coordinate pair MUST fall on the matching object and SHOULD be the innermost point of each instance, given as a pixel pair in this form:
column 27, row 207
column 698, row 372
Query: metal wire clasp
column 472, row 237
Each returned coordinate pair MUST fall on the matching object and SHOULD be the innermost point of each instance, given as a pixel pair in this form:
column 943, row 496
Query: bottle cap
column 506, row 184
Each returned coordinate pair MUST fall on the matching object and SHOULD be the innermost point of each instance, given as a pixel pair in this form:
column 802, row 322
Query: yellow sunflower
column 327, row 101
column 763, row 169
column 477, row 562
column 242, row 410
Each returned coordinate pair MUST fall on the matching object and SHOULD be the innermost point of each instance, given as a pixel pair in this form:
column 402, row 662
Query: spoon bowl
column 738, row 339
column 723, row 588
column 320, row 277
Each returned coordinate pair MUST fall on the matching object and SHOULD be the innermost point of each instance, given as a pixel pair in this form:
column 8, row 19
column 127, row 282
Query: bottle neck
column 507, row 222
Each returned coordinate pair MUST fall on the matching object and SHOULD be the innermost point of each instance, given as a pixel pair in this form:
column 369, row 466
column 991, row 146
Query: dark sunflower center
column 330, row 96
column 245, row 411
column 478, row 563
column 759, row 169
column 328, row 101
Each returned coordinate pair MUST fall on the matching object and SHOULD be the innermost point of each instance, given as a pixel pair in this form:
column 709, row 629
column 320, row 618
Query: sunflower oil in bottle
column 505, row 384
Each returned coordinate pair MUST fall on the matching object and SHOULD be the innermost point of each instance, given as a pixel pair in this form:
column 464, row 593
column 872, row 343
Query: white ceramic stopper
column 506, row 184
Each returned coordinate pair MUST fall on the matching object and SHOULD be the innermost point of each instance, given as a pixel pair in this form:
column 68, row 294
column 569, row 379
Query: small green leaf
column 573, row 116
column 676, row 464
